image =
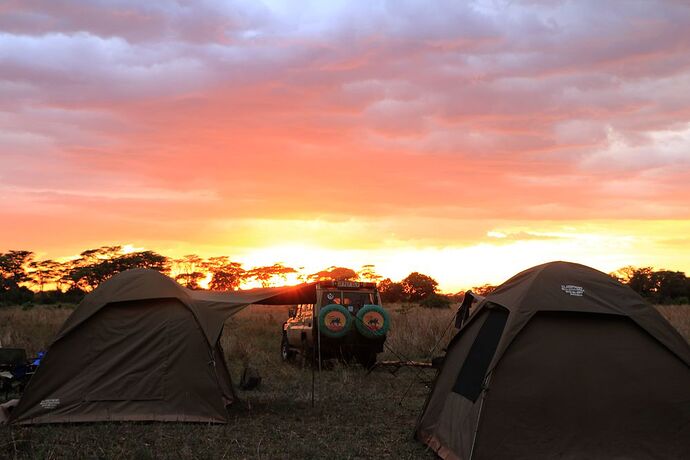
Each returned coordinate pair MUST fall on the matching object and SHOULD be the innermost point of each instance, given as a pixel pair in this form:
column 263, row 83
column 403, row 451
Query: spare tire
column 334, row 321
column 373, row 321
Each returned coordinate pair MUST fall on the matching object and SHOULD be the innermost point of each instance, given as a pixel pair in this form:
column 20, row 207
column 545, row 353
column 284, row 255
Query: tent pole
column 479, row 415
column 314, row 355
column 318, row 339
column 312, row 379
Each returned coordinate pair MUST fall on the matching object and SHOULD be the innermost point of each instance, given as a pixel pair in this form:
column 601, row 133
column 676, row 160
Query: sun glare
column 504, row 252
column 306, row 258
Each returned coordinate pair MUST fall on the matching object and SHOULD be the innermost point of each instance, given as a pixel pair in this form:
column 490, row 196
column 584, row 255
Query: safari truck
column 347, row 321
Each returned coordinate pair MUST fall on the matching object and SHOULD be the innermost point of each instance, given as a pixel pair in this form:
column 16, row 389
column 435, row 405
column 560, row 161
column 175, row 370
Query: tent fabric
column 544, row 288
column 584, row 368
column 211, row 308
column 628, row 403
column 141, row 347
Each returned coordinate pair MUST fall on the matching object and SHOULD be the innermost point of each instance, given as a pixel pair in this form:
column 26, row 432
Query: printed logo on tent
column 335, row 320
column 50, row 403
column 576, row 291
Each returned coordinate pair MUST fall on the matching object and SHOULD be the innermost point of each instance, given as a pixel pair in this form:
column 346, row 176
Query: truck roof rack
column 345, row 284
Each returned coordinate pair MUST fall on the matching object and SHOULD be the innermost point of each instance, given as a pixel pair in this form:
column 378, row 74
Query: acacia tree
column 671, row 287
column 391, row 291
column 190, row 270
column 13, row 275
column 484, row 289
column 657, row 286
column 639, row 279
column 97, row 265
column 368, row 273
column 13, row 271
column 92, row 267
column 143, row 259
column 418, row 286
column 334, row 273
column 225, row 275
column 266, row 275
column 43, row 272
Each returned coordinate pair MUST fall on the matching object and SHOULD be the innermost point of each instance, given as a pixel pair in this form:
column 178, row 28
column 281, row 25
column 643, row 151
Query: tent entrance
column 470, row 379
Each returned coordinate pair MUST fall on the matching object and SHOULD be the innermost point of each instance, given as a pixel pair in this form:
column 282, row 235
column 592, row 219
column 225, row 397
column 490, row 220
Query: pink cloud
column 519, row 111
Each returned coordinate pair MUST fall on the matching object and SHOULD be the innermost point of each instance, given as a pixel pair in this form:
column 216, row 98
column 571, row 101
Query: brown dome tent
column 141, row 347
column 561, row 361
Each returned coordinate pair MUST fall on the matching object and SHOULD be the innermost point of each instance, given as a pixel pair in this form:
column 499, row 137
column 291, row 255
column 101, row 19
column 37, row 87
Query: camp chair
column 14, row 369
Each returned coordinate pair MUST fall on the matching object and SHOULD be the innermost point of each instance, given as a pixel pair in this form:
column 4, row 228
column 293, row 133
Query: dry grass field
column 355, row 415
column 678, row 316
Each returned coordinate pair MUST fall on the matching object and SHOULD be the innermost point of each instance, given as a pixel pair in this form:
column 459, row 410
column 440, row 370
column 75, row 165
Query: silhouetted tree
column 670, row 286
column 391, row 291
column 368, row 273
column 266, row 275
column 226, row 275
column 624, row 274
column 97, row 265
column 143, row 259
column 660, row 286
column 13, row 268
column 334, row 273
column 92, row 267
column 190, row 270
column 484, row 289
column 13, row 273
column 641, row 281
column 43, row 272
column 417, row 286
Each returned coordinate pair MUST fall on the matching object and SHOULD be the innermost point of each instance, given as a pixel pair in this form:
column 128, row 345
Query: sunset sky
column 464, row 140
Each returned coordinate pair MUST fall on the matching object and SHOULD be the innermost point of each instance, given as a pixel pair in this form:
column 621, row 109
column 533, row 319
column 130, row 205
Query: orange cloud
column 413, row 127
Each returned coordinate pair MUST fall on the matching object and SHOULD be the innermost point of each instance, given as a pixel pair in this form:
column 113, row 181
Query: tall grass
column 253, row 335
column 355, row 415
column 32, row 328
column 418, row 333
column 678, row 316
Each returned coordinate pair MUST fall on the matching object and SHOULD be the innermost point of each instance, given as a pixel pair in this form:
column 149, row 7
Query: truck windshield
column 354, row 298
column 358, row 298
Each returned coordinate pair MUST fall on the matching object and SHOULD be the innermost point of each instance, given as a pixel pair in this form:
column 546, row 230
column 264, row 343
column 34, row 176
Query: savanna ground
column 355, row 414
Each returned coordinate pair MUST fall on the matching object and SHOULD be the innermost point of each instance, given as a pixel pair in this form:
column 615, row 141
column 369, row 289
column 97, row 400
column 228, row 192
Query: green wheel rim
column 334, row 321
column 373, row 321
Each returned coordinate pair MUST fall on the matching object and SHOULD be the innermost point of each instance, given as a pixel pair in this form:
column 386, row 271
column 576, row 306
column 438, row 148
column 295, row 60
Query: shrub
column 435, row 301
column 16, row 296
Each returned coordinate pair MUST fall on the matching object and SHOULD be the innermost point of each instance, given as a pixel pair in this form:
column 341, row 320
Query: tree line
column 23, row 278
column 657, row 286
column 416, row 288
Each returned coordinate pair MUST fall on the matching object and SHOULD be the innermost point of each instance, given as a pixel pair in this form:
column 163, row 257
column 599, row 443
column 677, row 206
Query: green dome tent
column 561, row 361
column 142, row 347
